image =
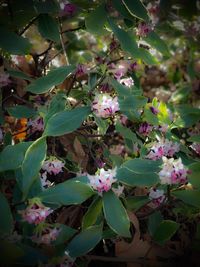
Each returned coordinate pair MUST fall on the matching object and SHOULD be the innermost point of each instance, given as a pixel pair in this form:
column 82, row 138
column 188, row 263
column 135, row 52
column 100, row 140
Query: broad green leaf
column 21, row 111
column 188, row 115
column 85, row 241
column 142, row 165
column 44, row 7
column 12, row 156
column 12, row 43
column 119, row 6
column 19, row 74
column 115, row 214
column 194, row 138
column 66, row 121
column 126, row 132
column 194, row 176
column 191, row 197
column 154, row 221
column 54, row 77
column 155, row 41
column 136, row 8
column 136, row 202
column 165, row 231
column 48, row 27
column 6, row 222
column 92, row 213
column 56, row 105
column 131, row 178
column 32, row 163
column 65, row 234
column 67, row 193
column 10, row 253
column 91, row 20
column 102, row 125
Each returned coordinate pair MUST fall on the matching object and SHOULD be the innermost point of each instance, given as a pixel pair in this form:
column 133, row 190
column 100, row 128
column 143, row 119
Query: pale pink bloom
column 35, row 213
column 127, row 82
column 143, row 29
column 173, row 171
column 53, row 166
column 196, row 147
column 145, row 128
column 119, row 190
column 44, row 181
column 4, row 79
column 120, row 70
column 157, row 196
column 36, row 125
column 103, row 180
column 163, row 148
column 105, row 105
column 117, row 149
column 67, row 8
column 153, row 10
column 47, row 236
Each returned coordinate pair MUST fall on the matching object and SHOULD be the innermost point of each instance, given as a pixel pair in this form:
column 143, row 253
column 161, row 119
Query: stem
column 62, row 41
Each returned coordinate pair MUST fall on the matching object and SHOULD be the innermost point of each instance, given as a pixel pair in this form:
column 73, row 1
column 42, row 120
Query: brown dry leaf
column 20, row 87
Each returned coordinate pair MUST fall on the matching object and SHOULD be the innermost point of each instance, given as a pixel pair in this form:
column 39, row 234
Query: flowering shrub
column 100, row 132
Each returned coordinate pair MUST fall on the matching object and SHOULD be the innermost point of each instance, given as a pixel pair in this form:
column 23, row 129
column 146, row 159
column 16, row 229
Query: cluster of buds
column 46, row 236
column 36, row 125
column 173, row 171
column 53, row 166
column 163, row 148
column 143, row 29
column 145, row 128
column 157, row 196
column 67, row 8
column 35, row 213
column 44, row 181
column 103, row 180
column 105, row 105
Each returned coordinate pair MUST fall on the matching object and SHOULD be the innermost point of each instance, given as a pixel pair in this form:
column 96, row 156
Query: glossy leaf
column 21, row 111
column 32, row 163
column 136, row 8
column 12, row 156
column 12, row 43
column 67, row 193
column 165, row 231
column 6, row 222
column 66, row 121
column 54, row 77
column 136, row 202
column 85, row 241
column 194, row 177
column 92, row 213
column 191, row 197
column 19, row 74
column 48, row 28
column 154, row 221
column 194, row 138
column 142, row 165
column 65, row 234
column 115, row 214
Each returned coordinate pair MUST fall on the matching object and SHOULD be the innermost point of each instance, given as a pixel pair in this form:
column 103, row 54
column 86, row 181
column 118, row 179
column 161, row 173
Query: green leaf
column 126, row 132
column 119, row 6
column 12, row 156
column 65, row 234
column 165, row 231
column 92, row 213
column 21, row 111
column 194, row 177
column 91, row 20
column 44, row 7
column 142, row 165
column 191, row 197
column 12, row 43
column 136, row 202
column 32, row 163
column 136, row 9
column 48, row 28
column 53, row 78
column 56, row 105
column 154, row 221
column 115, row 214
column 85, row 241
column 19, row 74
column 194, row 138
column 67, row 193
column 66, row 121
column 6, row 222
column 155, row 41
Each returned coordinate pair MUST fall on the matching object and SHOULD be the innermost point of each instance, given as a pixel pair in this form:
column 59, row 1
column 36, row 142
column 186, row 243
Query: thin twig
column 28, row 25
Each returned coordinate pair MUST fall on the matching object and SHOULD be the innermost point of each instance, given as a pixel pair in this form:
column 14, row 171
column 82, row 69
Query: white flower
column 127, row 82
column 53, row 166
column 104, row 105
column 157, row 196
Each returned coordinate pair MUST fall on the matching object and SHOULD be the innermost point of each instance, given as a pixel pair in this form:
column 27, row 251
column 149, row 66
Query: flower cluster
column 35, row 213
column 157, row 196
column 128, row 82
column 143, row 29
column 47, row 235
column 36, row 125
column 44, row 181
column 105, row 105
column 163, row 148
column 53, row 166
column 173, row 171
column 145, row 128
column 67, row 8
column 103, row 180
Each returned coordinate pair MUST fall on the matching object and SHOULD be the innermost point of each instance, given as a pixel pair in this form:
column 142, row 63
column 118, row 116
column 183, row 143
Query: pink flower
column 154, row 110
column 35, row 213
column 173, row 171
column 53, row 166
column 80, row 70
column 4, row 79
column 133, row 66
column 145, row 128
column 67, row 8
column 143, row 29
column 104, row 105
column 157, row 196
column 44, row 181
column 196, row 147
column 127, row 82
column 36, row 125
column 103, row 180
column 47, row 235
